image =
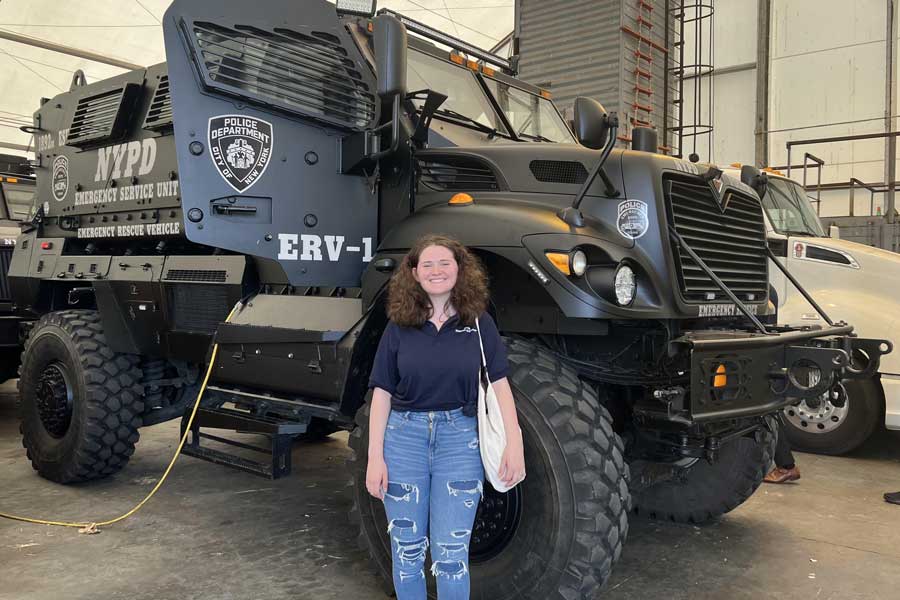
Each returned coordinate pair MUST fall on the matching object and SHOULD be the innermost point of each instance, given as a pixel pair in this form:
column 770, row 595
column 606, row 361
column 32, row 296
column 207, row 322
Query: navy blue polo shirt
column 425, row 369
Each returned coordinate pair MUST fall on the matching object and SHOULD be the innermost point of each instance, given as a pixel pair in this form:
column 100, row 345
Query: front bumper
column 739, row 374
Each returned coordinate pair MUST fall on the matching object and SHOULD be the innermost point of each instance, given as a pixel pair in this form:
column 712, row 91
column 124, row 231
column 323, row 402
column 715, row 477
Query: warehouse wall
column 733, row 81
column 828, row 79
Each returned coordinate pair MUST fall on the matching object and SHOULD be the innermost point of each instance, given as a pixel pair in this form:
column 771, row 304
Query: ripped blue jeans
column 434, row 486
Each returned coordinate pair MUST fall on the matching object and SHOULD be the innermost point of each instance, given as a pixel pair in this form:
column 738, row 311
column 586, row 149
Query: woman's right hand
column 377, row 477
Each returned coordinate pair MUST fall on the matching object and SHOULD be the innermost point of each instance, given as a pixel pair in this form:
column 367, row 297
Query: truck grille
column 303, row 73
column 559, row 171
column 732, row 242
column 454, row 173
column 198, row 307
column 5, row 258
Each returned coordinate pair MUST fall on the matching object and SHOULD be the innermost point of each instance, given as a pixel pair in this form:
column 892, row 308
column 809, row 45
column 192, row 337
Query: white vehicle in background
column 852, row 282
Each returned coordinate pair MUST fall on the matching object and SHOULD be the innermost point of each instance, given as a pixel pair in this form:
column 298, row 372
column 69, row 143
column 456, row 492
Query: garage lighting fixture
column 365, row 8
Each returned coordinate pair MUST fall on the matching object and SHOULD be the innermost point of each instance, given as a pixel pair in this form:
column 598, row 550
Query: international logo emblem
column 633, row 219
column 240, row 148
column 60, row 178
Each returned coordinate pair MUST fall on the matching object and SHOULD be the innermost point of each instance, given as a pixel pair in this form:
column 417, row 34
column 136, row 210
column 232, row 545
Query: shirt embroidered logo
column 466, row 330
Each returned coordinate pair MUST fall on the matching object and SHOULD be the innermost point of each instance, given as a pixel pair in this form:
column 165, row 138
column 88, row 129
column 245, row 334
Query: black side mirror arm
column 433, row 102
column 394, row 125
column 571, row 215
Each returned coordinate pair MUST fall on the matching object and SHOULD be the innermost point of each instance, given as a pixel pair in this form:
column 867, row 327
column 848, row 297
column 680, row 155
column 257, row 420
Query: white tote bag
column 491, row 433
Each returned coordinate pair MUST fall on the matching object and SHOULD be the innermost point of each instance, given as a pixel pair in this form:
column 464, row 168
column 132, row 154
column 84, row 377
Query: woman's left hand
column 512, row 465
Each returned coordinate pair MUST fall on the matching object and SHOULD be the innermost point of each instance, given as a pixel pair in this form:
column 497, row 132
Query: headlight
column 571, row 263
column 625, row 284
column 579, row 263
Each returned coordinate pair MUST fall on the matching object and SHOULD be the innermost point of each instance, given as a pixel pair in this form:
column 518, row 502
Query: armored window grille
column 309, row 74
column 159, row 115
column 102, row 117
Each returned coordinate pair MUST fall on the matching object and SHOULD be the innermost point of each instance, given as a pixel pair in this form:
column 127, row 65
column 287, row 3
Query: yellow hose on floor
column 91, row 527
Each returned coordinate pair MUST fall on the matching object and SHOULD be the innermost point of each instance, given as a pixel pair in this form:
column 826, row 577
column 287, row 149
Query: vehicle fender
column 495, row 227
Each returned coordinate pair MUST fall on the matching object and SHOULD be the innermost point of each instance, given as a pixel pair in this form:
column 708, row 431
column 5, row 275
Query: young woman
column 424, row 459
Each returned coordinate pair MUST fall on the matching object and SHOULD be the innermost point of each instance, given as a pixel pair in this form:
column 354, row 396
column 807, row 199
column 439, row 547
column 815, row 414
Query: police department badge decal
column 632, row 220
column 240, row 148
column 60, row 178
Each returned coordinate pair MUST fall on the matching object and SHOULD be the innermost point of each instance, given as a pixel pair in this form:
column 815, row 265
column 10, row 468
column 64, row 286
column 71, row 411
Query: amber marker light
column 721, row 379
column 488, row 71
column 546, row 94
column 461, row 199
column 457, row 59
column 560, row 260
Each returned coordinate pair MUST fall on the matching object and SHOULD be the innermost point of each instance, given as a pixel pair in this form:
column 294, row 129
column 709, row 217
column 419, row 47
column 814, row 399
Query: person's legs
column 784, row 458
column 406, row 501
column 785, row 468
column 456, row 489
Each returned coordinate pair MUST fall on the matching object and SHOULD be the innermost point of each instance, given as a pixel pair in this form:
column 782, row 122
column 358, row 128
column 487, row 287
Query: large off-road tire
column 555, row 536
column 823, row 428
column 706, row 490
column 79, row 402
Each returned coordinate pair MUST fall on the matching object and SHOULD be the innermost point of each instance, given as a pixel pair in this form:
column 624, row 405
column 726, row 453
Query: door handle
column 233, row 209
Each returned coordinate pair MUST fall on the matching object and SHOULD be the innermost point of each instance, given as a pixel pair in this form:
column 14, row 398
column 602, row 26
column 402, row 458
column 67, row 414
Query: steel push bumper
column 738, row 375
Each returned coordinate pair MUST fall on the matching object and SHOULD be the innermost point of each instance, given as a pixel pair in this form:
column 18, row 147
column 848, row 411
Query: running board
column 281, row 434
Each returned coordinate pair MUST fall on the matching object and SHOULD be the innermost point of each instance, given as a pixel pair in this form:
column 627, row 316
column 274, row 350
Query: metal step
column 281, row 434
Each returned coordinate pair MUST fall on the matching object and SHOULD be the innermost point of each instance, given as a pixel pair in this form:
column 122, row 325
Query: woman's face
column 437, row 270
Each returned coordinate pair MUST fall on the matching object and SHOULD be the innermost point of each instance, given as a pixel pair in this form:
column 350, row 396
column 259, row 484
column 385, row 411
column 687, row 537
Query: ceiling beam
column 54, row 47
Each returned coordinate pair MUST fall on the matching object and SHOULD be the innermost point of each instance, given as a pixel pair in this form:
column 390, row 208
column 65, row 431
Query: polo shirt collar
column 429, row 326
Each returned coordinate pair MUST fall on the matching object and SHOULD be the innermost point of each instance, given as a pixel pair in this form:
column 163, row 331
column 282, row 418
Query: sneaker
column 893, row 497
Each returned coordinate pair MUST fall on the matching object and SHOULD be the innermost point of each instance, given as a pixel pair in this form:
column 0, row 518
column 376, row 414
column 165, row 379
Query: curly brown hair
column 409, row 306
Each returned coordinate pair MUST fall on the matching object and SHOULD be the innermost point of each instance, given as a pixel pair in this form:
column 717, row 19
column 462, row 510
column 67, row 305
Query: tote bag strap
column 481, row 345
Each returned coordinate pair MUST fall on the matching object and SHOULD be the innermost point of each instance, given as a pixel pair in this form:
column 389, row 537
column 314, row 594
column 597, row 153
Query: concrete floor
column 216, row 533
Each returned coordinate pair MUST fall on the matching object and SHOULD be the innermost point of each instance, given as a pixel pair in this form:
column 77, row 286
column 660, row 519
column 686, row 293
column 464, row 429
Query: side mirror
column 591, row 123
column 756, row 179
column 834, row 232
column 390, row 55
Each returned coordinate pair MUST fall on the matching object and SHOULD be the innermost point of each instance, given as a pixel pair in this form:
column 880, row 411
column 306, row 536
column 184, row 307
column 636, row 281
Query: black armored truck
column 17, row 186
column 284, row 159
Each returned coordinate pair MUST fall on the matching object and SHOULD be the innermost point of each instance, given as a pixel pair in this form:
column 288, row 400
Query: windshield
column 19, row 198
column 466, row 100
column 531, row 116
column 789, row 209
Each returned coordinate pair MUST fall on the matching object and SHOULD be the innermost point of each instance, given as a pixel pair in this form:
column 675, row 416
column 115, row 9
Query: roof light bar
column 455, row 43
column 365, row 8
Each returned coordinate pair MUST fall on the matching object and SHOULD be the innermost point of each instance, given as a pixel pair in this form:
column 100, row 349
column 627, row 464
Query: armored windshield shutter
column 306, row 73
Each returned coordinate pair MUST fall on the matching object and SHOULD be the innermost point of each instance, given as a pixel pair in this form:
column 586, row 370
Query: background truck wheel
column 558, row 534
column 79, row 402
column 823, row 428
column 705, row 491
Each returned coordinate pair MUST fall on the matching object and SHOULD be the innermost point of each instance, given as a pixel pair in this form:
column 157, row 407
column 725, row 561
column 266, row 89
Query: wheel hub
column 495, row 522
column 54, row 401
column 818, row 416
